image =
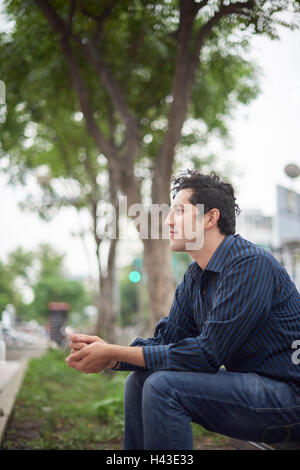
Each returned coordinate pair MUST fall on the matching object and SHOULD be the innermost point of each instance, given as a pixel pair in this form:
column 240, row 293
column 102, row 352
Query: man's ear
column 212, row 217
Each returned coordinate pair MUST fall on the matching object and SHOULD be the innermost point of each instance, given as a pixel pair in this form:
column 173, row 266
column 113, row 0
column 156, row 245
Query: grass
column 61, row 408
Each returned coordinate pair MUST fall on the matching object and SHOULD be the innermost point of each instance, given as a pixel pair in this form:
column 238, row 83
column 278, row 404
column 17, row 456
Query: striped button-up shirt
column 241, row 312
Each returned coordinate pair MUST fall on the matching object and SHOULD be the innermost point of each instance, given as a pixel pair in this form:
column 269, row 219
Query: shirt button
column 204, row 292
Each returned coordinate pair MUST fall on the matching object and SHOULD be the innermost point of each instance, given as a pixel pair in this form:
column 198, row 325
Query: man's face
column 185, row 223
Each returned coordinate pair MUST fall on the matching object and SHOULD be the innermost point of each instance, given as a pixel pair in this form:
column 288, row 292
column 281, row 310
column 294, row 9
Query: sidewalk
column 11, row 377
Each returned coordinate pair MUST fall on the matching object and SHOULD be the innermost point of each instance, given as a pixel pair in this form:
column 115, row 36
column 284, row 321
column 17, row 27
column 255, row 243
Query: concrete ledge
column 7, row 371
column 248, row 445
column 11, row 384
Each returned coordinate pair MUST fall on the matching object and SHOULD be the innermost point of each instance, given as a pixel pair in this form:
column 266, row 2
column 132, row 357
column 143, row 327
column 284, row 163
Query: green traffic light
column 134, row 276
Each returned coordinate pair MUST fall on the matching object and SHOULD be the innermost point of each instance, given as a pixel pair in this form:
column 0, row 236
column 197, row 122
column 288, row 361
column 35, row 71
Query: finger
column 75, row 338
column 80, row 338
column 74, row 365
column 77, row 346
column 77, row 355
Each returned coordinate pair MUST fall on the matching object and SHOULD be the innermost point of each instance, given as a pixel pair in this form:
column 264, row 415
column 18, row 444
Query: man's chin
column 177, row 245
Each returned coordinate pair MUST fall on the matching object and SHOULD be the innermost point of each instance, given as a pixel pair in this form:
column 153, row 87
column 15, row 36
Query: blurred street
column 19, row 352
column 26, row 351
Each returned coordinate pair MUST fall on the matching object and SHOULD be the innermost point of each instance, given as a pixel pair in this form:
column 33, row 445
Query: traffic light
column 134, row 276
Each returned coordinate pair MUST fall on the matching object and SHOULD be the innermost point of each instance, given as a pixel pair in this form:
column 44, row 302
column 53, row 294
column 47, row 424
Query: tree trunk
column 107, row 307
column 107, row 279
column 160, row 279
column 156, row 252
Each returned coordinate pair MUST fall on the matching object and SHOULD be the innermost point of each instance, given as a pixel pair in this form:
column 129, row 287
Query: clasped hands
column 89, row 354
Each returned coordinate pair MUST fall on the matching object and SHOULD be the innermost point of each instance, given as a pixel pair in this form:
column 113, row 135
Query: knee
column 157, row 385
column 134, row 383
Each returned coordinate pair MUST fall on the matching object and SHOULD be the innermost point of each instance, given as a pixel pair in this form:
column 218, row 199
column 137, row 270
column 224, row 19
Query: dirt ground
column 20, row 434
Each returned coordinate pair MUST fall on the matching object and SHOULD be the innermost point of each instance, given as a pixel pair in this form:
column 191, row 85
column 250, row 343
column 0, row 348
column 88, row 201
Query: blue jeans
column 159, row 407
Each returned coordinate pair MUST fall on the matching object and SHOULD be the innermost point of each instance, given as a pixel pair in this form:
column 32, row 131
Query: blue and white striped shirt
column 242, row 312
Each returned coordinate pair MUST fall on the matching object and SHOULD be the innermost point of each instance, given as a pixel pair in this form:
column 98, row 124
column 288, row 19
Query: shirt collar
column 219, row 260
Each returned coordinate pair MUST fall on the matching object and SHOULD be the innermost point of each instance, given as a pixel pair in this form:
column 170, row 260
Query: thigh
column 241, row 405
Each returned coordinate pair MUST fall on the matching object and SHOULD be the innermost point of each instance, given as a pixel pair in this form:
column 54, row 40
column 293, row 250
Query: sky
column 265, row 138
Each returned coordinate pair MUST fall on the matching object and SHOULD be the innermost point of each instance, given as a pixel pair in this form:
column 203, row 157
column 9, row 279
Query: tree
column 57, row 289
column 6, row 287
column 139, row 70
column 42, row 272
column 61, row 141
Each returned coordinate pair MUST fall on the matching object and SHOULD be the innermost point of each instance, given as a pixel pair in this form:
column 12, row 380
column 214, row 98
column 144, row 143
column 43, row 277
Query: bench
column 248, row 445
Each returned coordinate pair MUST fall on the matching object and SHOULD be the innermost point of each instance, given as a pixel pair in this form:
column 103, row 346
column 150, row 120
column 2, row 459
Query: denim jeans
column 159, row 407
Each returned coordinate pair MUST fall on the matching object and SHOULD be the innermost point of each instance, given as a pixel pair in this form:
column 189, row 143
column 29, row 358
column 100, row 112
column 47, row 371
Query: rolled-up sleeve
column 241, row 301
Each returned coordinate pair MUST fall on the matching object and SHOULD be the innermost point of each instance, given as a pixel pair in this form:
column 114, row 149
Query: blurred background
column 104, row 104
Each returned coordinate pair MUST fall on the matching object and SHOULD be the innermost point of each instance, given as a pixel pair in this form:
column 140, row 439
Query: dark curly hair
column 213, row 193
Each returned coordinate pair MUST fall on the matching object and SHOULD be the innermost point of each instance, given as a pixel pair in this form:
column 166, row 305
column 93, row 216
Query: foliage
column 58, row 289
column 40, row 126
column 40, row 271
column 64, row 406
column 61, row 408
column 7, row 294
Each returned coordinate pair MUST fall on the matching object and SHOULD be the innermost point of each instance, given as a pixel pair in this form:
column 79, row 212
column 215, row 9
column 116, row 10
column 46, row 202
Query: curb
column 9, row 394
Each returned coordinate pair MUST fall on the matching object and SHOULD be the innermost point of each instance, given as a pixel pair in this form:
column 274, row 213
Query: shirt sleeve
column 177, row 325
column 241, row 300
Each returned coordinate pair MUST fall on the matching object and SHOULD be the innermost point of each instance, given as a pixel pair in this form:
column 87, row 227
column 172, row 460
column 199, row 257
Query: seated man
column 225, row 355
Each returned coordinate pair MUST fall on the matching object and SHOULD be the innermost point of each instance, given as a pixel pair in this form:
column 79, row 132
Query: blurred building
column 279, row 233
column 256, row 227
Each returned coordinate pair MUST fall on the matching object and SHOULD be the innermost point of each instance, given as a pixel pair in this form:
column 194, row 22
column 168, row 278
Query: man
column 223, row 357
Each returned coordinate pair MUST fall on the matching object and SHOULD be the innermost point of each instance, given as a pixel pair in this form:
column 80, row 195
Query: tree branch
column 71, row 15
column 132, row 140
column 99, row 19
column 89, row 47
column 201, row 5
column 187, row 61
column 126, row 155
column 59, row 27
column 90, row 171
column 105, row 74
column 225, row 10
column 181, row 92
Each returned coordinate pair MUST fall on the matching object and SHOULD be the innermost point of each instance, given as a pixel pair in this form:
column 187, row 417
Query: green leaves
column 138, row 42
column 111, row 407
column 42, row 272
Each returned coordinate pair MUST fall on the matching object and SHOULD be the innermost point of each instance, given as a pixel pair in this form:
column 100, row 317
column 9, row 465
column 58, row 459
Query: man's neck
column 203, row 256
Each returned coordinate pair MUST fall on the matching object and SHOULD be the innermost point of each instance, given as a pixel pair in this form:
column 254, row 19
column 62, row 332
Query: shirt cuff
column 125, row 366
column 156, row 357
column 116, row 365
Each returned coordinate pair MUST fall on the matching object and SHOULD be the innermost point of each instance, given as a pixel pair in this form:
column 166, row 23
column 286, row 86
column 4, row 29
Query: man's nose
column 169, row 219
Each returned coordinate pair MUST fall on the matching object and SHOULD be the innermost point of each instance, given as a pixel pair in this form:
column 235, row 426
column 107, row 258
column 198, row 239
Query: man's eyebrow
column 177, row 204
